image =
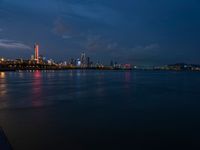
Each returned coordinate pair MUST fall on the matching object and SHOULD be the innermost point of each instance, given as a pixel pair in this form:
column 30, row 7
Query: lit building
column 50, row 61
column 32, row 57
column 78, row 63
column 83, row 60
column 73, row 62
column 2, row 60
column 36, row 48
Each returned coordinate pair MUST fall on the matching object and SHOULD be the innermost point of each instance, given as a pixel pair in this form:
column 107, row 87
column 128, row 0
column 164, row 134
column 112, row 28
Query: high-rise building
column 88, row 62
column 36, row 48
column 73, row 62
column 78, row 63
column 83, row 60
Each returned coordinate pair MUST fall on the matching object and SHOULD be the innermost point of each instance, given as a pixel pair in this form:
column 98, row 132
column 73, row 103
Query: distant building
column 88, row 62
column 32, row 57
column 50, row 61
column 42, row 59
column 83, row 60
column 36, row 48
column 73, row 62
column 127, row 66
column 78, row 63
column 115, row 65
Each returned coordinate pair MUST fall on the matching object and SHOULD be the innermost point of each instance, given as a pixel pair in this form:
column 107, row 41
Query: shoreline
column 98, row 69
column 59, row 69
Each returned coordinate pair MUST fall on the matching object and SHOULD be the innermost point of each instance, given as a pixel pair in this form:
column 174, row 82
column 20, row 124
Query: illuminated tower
column 36, row 47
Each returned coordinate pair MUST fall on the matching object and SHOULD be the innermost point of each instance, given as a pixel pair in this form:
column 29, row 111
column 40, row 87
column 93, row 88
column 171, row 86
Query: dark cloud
column 138, row 31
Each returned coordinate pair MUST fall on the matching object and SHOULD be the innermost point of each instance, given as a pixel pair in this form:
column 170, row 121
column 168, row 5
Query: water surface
column 46, row 110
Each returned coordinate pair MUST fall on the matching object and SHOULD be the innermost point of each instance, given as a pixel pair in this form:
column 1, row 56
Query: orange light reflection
column 37, row 89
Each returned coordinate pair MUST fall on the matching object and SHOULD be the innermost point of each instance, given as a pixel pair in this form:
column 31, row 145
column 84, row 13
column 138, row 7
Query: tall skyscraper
column 88, row 62
column 83, row 60
column 36, row 48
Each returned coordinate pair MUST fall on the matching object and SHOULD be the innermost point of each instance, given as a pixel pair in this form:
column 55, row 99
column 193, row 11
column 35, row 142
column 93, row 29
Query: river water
column 83, row 109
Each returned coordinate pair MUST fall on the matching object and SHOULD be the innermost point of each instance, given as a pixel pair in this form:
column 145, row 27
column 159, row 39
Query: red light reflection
column 37, row 89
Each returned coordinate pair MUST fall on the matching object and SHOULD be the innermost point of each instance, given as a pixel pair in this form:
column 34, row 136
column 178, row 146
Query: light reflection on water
column 80, row 108
column 43, row 88
column 3, row 90
column 36, row 95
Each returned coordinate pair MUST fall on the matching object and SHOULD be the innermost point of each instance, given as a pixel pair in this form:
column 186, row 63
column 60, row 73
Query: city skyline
column 35, row 56
column 136, row 32
column 40, row 62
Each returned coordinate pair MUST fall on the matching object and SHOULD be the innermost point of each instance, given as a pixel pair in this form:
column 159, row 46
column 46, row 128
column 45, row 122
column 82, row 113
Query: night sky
column 142, row 32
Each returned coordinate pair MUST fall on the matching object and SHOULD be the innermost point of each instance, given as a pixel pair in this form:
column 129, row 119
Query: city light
column 2, row 74
column 36, row 47
column 40, row 62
